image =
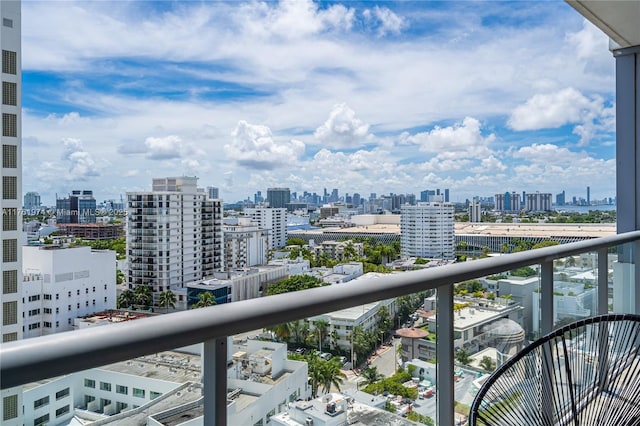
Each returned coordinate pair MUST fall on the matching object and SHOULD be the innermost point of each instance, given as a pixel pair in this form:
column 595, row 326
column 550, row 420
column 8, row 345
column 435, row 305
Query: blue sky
column 479, row 97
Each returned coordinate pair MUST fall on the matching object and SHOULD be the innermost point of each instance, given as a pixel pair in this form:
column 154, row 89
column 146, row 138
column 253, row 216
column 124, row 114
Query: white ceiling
column 619, row 19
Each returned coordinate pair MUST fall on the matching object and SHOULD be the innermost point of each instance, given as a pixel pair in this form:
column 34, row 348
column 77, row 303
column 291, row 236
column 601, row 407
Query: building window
column 9, row 93
column 9, row 156
column 9, row 187
column 10, row 407
column 34, row 326
column 47, row 310
column 40, row 402
column 9, row 220
column 138, row 392
column 6, row 22
column 105, row 386
column 9, row 313
column 62, row 411
column 41, row 421
column 47, row 324
column 9, row 125
column 9, row 62
column 9, row 282
column 47, row 297
column 122, row 389
column 9, row 337
column 89, row 383
column 61, row 394
column 154, row 395
column 10, row 250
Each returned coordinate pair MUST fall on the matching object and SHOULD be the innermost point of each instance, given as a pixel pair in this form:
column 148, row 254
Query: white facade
column 507, row 202
column 272, row 219
column 475, row 212
column 538, row 202
column 11, row 200
column 245, row 244
column 174, row 235
column 426, row 230
column 61, row 284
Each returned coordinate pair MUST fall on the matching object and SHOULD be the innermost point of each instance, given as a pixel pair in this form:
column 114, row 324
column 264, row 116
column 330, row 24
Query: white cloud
column 588, row 42
column 343, row 128
column 253, row 146
column 388, row 21
column 80, row 163
column 458, row 141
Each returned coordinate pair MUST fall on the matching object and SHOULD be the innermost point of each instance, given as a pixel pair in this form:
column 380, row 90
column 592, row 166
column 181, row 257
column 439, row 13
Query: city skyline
column 248, row 96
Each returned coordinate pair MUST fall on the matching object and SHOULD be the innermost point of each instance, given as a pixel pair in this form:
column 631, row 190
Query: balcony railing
column 36, row 359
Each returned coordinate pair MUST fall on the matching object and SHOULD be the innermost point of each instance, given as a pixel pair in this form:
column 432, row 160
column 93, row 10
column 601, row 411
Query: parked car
column 326, row 356
column 301, row 351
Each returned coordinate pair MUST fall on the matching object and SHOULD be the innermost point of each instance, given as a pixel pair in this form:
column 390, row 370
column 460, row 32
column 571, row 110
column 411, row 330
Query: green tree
column 331, row 374
column 281, row 331
column 371, row 376
column 126, row 299
column 295, row 283
column 463, row 357
column 321, row 330
column 296, row 242
column 167, row 299
column 350, row 251
column 119, row 276
column 299, row 329
column 546, row 243
column 143, row 296
column 414, row 416
column 204, row 299
column 487, row 364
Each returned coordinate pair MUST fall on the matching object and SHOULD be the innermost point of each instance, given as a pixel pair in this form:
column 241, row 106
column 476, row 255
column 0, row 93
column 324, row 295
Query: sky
column 479, row 97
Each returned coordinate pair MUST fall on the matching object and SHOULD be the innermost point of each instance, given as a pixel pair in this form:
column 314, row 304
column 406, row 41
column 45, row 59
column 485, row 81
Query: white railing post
column 546, row 297
column 603, row 281
column 444, row 356
column 214, row 377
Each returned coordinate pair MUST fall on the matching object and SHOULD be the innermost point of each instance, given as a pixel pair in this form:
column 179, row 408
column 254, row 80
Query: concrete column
column 214, row 377
column 444, row 355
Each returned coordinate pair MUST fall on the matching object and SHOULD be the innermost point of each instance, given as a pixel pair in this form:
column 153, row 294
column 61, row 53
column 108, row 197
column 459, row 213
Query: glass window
column 61, row 394
column 138, row 392
column 89, row 383
column 122, row 389
column 41, row 402
column 105, row 386
column 41, row 421
column 62, row 411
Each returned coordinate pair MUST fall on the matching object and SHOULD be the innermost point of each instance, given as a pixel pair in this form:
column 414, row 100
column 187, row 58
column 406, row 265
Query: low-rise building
column 60, row 284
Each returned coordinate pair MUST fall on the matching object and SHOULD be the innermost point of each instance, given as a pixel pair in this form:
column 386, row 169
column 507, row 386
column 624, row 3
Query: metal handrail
column 35, row 359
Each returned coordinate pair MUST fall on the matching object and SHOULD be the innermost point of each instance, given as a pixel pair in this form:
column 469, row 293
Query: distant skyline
column 478, row 97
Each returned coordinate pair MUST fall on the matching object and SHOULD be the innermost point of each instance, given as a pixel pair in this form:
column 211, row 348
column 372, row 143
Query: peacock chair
column 586, row 373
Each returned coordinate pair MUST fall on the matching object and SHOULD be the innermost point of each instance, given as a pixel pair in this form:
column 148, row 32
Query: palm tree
column 314, row 363
column 167, row 299
column 143, row 296
column 204, row 299
column 126, row 299
column 321, row 327
column 281, row 331
column 299, row 329
column 331, row 375
column 349, row 251
column 371, row 376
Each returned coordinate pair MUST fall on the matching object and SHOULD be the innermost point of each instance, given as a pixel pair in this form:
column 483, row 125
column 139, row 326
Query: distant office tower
column 426, row 230
column 11, row 308
column 78, row 207
column 174, row 234
column 273, row 220
column 475, row 212
column 278, row 198
column 508, row 202
column 32, row 201
column 213, row 193
column 356, row 199
column 560, row 199
column 588, row 195
column 446, row 195
column 257, row 197
column 538, row 202
column 334, row 196
column 425, row 196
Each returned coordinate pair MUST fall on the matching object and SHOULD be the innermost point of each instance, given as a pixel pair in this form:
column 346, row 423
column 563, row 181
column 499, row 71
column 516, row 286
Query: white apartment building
column 507, row 202
column 61, row 284
column 174, row 234
column 336, row 249
column 427, row 230
column 475, row 211
column 538, row 202
column 272, row 219
column 245, row 244
column 11, row 200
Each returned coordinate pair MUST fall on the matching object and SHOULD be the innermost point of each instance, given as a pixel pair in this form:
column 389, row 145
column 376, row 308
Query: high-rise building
column 273, row 220
column 356, row 199
column 446, row 195
column 588, row 195
column 213, row 193
column 78, row 207
column 174, row 234
column 32, row 201
column 425, row 196
column 560, row 199
column 507, row 202
column 11, row 306
column 475, row 212
column 245, row 244
column 538, row 202
column 427, row 230
column 278, row 198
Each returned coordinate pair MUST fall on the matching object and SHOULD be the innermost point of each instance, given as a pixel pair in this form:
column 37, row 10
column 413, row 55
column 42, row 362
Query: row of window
column 106, row 386
column 9, row 313
column 10, row 221
column 9, row 125
column 9, row 281
column 10, row 250
column 9, row 158
column 9, row 93
column 9, row 62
